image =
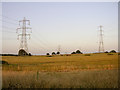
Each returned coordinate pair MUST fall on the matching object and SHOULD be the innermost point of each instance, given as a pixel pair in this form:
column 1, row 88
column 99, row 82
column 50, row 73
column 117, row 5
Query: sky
column 70, row 25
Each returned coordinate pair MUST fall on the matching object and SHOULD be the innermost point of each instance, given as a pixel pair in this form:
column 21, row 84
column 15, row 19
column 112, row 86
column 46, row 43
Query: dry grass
column 75, row 71
column 61, row 63
column 82, row 79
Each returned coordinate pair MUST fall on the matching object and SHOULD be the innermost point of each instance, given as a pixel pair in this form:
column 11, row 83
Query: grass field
column 74, row 71
column 61, row 63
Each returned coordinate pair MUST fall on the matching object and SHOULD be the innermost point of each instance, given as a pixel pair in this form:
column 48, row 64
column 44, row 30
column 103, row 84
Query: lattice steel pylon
column 59, row 48
column 101, row 43
column 23, row 33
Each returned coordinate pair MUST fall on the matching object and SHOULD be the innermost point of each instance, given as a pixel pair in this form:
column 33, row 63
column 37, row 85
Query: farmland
column 66, row 71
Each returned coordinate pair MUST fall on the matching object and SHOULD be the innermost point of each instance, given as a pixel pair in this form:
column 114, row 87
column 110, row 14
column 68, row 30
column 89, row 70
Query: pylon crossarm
column 19, row 35
column 20, row 21
column 17, row 29
column 28, row 21
column 28, row 28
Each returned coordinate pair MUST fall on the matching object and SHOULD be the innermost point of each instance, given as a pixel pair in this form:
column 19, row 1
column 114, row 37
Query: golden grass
column 61, row 63
column 75, row 71
column 81, row 79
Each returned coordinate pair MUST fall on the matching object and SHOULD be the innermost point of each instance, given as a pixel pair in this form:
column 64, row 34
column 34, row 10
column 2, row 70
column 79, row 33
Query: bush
column 78, row 52
column 47, row 54
column 118, row 53
column 87, row 54
column 112, row 51
column 58, row 53
column 109, row 54
column 30, row 54
column 73, row 53
column 53, row 53
column 68, row 55
column 106, row 51
column 4, row 62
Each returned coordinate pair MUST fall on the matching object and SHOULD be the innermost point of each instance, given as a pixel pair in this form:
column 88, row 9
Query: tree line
column 78, row 52
column 58, row 53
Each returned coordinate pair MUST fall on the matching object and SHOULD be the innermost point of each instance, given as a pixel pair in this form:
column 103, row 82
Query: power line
column 41, row 40
column 39, row 43
column 38, row 38
column 35, row 42
column 8, row 22
column 44, row 41
column 8, row 28
column 9, row 18
column 8, row 31
column 45, row 44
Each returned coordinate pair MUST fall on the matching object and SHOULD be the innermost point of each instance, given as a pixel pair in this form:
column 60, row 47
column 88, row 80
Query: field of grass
column 74, row 71
column 81, row 79
column 61, row 63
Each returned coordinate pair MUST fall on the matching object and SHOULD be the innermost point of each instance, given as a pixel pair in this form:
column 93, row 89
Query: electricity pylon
column 23, row 33
column 59, row 48
column 101, row 44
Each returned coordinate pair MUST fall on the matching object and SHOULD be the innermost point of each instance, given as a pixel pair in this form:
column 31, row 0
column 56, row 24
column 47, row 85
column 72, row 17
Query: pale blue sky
column 71, row 25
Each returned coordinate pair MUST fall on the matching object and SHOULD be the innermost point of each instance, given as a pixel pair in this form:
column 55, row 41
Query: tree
column 73, row 53
column 78, row 52
column 30, row 54
column 58, row 52
column 53, row 53
column 106, row 51
column 47, row 54
column 112, row 51
column 4, row 62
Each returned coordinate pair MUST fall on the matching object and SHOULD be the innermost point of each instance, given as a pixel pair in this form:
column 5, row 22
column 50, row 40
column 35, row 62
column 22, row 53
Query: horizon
column 62, row 53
